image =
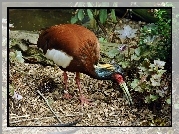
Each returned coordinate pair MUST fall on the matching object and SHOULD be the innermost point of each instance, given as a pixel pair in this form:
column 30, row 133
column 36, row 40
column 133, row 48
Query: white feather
column 59, row 57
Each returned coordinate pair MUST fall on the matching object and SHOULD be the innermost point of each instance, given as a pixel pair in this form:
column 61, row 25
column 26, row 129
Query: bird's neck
column 104, row 71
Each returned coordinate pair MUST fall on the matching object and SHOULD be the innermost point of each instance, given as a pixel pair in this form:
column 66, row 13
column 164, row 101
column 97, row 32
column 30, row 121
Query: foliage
column 155, row 43
column 157, row 39
column 145, row 62
column 101, row 39
column 150, row 83
column 94, row 15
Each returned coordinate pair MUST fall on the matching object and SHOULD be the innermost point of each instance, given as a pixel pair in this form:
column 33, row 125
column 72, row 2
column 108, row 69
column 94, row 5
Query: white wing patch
column 59, row 57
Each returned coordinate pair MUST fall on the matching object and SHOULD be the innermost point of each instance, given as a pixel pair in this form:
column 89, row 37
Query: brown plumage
column 78, row 51
column 76, row 41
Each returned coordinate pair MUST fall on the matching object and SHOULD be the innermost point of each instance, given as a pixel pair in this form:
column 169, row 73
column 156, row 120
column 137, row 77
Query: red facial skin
column 118, row 78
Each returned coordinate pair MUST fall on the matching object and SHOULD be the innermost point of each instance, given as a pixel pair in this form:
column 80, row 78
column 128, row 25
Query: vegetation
column 148, row 62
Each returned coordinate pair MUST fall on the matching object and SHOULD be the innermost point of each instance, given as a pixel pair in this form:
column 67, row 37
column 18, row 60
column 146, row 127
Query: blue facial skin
column 105, row 73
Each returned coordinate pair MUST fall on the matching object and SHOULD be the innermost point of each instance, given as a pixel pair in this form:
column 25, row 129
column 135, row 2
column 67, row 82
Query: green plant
column 150, row 83
column 156, row 38
column 145, row 62
column 155, row 43
column 94, row 15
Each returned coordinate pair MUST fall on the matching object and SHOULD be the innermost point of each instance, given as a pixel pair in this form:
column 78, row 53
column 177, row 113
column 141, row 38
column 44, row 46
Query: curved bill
column 126, row 91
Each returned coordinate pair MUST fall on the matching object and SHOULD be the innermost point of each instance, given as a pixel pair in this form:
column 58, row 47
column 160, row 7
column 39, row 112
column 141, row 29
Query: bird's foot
column 67, row 96
column 85, row 101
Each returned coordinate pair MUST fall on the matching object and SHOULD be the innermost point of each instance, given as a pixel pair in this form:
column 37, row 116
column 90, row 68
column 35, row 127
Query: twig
column 34, row 119
column 125, row 13
column 15, row 116
column 49, row 106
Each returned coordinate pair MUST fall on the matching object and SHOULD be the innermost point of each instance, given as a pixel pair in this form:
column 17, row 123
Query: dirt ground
column 109, row 106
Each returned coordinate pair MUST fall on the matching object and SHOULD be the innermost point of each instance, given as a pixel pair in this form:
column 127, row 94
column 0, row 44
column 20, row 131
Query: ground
column 110, row 107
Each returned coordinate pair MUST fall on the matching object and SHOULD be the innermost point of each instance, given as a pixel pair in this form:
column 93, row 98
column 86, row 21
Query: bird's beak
column 126, row 91
column 122, row 83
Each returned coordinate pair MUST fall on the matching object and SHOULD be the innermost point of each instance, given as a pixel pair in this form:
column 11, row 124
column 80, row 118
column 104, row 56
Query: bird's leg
column 82, row 98
column 66, row 94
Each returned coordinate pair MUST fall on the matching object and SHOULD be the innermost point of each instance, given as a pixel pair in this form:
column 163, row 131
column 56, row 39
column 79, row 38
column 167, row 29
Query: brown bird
column 75, row 48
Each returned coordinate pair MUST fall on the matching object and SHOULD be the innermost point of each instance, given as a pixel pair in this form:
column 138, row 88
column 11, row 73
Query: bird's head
column 115, row 73
column 109, row 72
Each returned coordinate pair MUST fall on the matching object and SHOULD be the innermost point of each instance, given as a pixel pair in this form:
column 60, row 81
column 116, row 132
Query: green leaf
column 12, row 55
column 161, row 71
column 102, row 15
column 90, row 14
column 112, row 53
column 101, row 39
column 153, row 97
column 137, row 51
column 11, row 89
column 155, row 82
column 124, row 64
column 135, row 57
column 80, row 14
column 135, row 86
column 134, row 83
column 113, row 15
column 142, row 69
column 139, row 89
column 74, row 19
column 147, row 99
column 169, row 101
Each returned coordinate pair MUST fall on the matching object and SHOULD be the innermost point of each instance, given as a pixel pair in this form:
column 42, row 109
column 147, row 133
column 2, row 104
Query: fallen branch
column 34, row 119
column 49, row 106
column 61, row 124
